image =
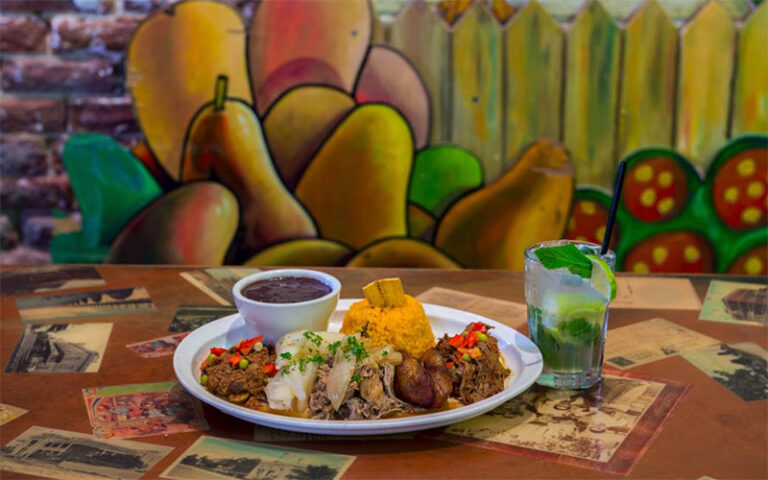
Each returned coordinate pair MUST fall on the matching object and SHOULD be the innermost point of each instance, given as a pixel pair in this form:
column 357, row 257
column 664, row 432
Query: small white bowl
column 273, row 320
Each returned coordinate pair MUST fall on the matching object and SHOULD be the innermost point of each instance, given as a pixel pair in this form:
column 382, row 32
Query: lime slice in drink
column 602, row 280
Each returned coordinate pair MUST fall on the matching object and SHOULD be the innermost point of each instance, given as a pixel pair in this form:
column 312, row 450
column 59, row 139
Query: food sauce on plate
column 286, row 290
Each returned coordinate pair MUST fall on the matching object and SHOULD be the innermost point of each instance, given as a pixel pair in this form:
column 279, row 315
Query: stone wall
column 61, row 71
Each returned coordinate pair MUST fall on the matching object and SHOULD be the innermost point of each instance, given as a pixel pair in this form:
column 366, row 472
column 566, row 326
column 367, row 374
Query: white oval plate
column 520, row 354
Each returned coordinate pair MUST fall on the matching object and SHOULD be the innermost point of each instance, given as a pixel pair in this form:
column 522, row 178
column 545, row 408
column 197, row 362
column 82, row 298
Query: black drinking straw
column 614, row 205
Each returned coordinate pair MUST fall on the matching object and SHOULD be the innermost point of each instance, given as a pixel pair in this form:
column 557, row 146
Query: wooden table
column 713, row 432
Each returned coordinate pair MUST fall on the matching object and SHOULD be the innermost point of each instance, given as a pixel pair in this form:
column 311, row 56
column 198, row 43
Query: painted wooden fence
column 604, row 77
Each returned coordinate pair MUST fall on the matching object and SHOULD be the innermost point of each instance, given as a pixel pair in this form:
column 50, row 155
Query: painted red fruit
column 587, row 222
column 655, row 189
column 753, row 262
column 679, row 252
column 739, row 190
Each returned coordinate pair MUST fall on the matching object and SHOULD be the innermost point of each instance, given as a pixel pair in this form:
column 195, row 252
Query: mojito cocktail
column 568, row 286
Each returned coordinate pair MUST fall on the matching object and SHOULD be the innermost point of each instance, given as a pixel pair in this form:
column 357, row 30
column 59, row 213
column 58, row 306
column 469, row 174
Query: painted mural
column 453, row 135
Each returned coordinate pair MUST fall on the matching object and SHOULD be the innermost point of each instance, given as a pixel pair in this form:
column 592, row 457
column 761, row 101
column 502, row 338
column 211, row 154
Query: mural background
column 399, row 133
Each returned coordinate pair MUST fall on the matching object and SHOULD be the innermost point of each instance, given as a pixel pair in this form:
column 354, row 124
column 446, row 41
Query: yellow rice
column 405, row 328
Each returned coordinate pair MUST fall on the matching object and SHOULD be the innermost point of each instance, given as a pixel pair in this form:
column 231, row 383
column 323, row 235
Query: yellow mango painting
column 393, row 133
column 172, row 64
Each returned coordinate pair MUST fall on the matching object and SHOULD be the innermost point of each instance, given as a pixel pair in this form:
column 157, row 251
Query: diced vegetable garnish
column 270, row 369
column 456, row 340
column 245, row 346
column 203, row 379
column 235, row 359
column 218, row 351
column 243, row 364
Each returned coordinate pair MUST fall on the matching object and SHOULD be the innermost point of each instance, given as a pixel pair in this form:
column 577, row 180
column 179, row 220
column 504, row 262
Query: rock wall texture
column 61, row 72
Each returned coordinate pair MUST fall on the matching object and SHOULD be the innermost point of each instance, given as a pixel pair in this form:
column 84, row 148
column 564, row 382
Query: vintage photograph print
column 47, row 278
column 9, row 412
column 157, row 347
column 143, row 409
column 191, row 317
column 607, row 427
column 45, row 452
column 734, row 302
column 60, row 348
column 655, row 293
column 649, row 341
column 218, row 458
column 740, row 367
column 94, row 303
column 217, row 282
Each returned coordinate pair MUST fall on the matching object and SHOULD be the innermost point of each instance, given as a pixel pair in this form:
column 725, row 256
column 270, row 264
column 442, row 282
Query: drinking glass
column 567, row 319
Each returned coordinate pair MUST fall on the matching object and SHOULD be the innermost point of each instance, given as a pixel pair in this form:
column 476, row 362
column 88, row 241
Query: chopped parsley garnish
column 286, row 355
column 313, row 337
column 355, row 348
column 332, row 347
column 356, row 378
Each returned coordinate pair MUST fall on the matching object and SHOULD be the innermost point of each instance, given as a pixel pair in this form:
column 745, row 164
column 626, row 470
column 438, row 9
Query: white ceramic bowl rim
column 326, row 278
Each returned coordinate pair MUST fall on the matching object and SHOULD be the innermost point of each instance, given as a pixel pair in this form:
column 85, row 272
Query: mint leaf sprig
column 565, row 256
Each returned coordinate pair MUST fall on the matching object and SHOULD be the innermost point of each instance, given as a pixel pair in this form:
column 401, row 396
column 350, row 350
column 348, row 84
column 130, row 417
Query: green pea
column 203, row 379
column 243, row 364
column 465, row 357
column 212, row 357
column 482, row 337
column 258, row 346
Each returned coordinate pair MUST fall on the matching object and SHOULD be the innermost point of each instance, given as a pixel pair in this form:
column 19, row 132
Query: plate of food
column 384, row 364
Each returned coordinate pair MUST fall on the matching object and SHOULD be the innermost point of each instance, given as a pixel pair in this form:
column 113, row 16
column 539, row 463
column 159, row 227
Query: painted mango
column 298, row 123
column 317, row 252
column 192, row 225
column 172, row 63
column 356, row 187
column 324, row 43
column 441, row 175
column 388, row 77
column 225, row 140
column 490, row 228
column 421, row 224
column 402, row 253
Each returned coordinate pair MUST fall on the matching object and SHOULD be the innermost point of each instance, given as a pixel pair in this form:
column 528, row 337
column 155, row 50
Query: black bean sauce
column 286, row 290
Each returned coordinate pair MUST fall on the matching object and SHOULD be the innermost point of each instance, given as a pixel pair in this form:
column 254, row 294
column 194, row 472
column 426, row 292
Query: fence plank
column 737, row 9
column 750, row 92
column 648, row 89
column 562, row 10
column 534, row 65
column 621, row 9
column 379, row 30
column 681, row 10
column 703, row 90
column 423, row 37
column 592, row 81
column 477, row 119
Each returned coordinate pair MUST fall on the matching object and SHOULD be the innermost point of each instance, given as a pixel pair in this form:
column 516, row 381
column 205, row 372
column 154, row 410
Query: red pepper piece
column 235, row 359
column 449, row 365
column 218, row 351
column 456, row 341
column 479, row 326
column 245, row 346
column 470, row 340
column 270, row 369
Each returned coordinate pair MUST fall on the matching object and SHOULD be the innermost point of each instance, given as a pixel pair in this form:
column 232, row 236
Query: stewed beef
column 478, row 378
